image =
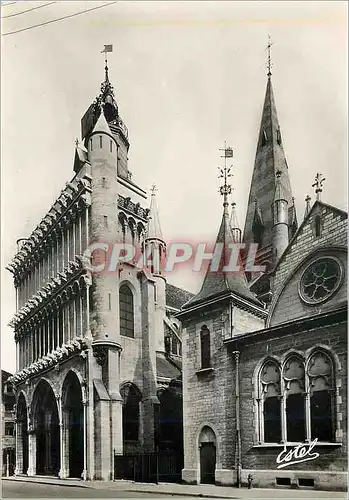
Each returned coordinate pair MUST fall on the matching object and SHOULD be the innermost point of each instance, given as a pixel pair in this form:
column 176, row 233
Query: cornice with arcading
column 132, row 208
column 72, row 201
column 66, row 284
column 52, row 360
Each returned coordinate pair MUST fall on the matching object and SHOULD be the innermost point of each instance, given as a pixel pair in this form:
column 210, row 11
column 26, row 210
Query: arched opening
column 46, row 420
column 22, row 438
column 207, row 446
column 126, row 311
column 73, row 426
column 130, row 417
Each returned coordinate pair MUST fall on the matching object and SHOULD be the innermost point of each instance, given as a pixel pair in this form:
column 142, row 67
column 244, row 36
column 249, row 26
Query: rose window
column 320, row 280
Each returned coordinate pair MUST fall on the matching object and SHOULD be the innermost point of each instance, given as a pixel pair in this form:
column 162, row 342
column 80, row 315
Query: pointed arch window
column 130, row 412
column 320, row 375
column 205, row 343
column 126, row 311
column 293, row 375
column 270, row 392
column 296, row 400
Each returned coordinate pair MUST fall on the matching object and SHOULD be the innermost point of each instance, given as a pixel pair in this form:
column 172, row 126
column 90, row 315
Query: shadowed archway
column 73, row 426
column 46, row 421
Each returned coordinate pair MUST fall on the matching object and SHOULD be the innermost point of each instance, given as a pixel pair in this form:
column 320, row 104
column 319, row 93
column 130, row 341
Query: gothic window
column 320, row 374
column 317, row 226
column 205, row 347
column 297, row 401
column 293, row 375
column 320, row 280
column 271, row 401
column 126, row 312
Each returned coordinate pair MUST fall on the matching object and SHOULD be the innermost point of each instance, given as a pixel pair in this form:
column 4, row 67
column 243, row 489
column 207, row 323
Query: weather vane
column 225, row 173
column 269, row 63
column 153, row 189
column 318, row 185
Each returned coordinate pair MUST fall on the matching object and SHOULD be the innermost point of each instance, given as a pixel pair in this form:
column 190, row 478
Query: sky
column 187, row 76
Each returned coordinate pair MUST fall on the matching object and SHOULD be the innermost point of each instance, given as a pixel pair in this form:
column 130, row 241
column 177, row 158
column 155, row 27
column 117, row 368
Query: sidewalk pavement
column 206, row 491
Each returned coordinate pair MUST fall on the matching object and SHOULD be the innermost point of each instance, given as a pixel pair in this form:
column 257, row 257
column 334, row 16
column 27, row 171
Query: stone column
column 19, row 448
column 31, row 451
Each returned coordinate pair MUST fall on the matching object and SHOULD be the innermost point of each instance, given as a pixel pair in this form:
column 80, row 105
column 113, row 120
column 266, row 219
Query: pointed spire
column 224, row 282
column 270, row 158
column 307, row 205
column 234, row 224
column 102, row 125
column 279, row 190
column 153, row 227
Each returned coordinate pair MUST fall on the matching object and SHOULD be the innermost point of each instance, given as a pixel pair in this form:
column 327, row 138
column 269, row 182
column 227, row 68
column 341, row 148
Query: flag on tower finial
column 107, row 48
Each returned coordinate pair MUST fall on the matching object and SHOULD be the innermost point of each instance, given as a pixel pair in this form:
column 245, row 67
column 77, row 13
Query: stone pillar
column 64, row 442
column 19, row 448
column 116, row 404
column 31, row 452
column 150, row 402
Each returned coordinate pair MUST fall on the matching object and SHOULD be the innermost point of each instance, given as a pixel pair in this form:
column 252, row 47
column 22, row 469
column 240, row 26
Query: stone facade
column 265, row 388
column 92, row 367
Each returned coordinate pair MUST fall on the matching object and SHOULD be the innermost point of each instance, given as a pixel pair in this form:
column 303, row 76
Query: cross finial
column 307, row 205
column 269, row 63
column 153, row 189
column 318, row 185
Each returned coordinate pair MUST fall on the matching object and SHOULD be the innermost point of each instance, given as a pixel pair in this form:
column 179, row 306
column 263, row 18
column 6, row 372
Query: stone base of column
column 31, row 472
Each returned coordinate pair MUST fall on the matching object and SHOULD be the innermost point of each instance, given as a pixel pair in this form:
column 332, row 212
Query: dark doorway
column 207, row 447
column 207, row 463
column 47, row 431
column 74, row 410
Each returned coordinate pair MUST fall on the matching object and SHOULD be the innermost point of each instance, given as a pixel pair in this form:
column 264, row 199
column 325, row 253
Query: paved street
column 21, row 489
column 41, row 488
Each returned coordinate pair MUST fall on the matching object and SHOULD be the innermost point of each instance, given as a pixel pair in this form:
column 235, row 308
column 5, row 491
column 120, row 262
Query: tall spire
column 270, row 158
column 221, row 282
column 153, row 228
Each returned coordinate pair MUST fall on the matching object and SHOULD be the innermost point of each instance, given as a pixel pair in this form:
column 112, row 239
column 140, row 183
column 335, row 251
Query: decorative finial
column 107, row 48
column 278, row 174
column 76, row 142
column 153, row 189
column 293, row 200
column 269, row 63
column 318, row 185
column 307, row 205
column 225, row 190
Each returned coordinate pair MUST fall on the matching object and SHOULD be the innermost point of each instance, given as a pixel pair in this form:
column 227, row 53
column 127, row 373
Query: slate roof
column 166, row 368
column 176, row 297
column 220, row 283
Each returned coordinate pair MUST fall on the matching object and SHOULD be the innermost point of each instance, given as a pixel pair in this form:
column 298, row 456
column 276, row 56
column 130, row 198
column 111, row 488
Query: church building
column 98, row 353
column 265, row 353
